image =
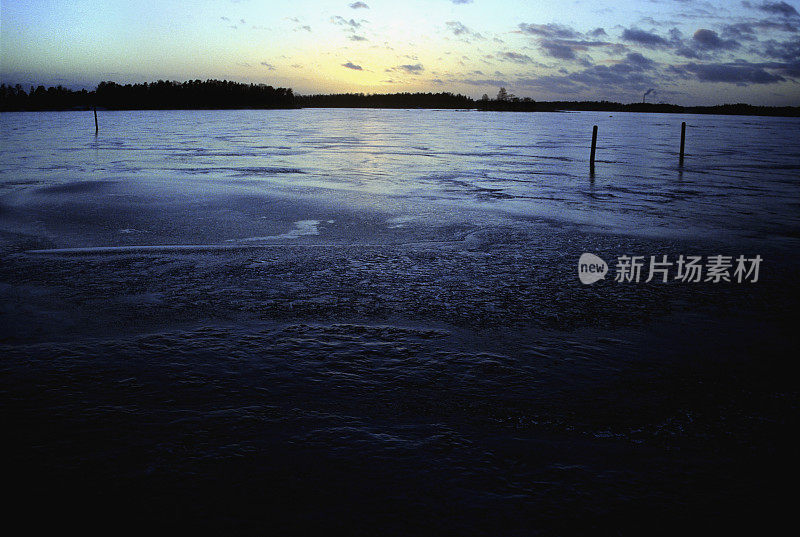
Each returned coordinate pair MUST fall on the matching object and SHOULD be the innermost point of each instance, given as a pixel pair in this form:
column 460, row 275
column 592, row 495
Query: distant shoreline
column 721, row 110
column 225, row 95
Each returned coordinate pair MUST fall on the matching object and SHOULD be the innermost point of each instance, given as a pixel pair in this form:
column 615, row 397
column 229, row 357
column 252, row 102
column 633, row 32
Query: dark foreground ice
column 257, row 349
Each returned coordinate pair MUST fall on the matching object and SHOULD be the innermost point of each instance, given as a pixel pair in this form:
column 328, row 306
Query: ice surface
column 370, row 320
column 740, row 179
column 302, row 228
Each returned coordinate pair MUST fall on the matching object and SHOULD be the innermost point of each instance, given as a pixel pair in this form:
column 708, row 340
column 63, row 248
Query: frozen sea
column 174, row 174
column 370, row 320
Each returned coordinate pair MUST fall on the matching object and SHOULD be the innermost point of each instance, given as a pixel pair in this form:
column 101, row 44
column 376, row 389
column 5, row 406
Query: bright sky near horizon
column 686, row 51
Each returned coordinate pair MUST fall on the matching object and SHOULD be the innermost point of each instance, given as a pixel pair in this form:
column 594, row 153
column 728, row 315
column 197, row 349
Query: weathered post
column 683, row 141
column 594, row 145
column 96, row 127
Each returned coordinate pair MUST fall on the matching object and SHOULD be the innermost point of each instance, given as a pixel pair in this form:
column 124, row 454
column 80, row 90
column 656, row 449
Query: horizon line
column 365, row 94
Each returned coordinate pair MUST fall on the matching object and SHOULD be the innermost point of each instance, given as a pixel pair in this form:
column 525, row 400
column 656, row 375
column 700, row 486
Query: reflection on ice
column 301, row 228
column 207, row 177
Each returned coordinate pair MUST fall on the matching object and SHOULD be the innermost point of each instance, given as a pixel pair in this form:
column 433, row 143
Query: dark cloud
column 704, row 43
column 268, row 66
column 355, row 37
column 739, row 73
column 460, row 30
column 603, row 76
column 789, row 69
column 461, row 1
column 786, row 50
column 411, row 69
column 359, row 5
column 350, row 24
column 739, row 30
column 748, row 30
column 298, row 26
column 639, row 61
column 516, row 57
column 646, row 39
column 351, row 65
column 707, row 49
column 457, row 28
column 549, row 31
column 688, row 52
column 482, row 81
column 579, row 45
column 775, row 8
column 710, row 40
column 634, row 72
column 557, row 50
column 564, row 43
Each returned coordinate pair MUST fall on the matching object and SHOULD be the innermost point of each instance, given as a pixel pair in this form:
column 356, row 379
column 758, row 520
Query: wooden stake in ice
column 683, row 141
column 594, row 145
column 96, row 127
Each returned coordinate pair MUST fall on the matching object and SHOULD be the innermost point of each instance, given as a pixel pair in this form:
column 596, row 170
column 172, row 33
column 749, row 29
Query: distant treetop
column 224, row 94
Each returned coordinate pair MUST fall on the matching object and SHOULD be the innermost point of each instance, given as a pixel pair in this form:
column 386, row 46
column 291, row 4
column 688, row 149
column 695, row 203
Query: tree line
column 193, row 94
column 54, row 98
column 224, row 94
column 385, row 100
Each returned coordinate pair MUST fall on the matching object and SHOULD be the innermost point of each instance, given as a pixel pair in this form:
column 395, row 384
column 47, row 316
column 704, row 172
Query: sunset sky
column 687, row 51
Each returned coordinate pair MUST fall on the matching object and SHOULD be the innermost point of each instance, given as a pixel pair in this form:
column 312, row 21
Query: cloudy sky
column 686, row 51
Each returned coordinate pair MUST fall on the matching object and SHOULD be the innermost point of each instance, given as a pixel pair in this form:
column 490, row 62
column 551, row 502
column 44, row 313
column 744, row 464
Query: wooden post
column 96, row 127
column 594, row 145
column 683, row 141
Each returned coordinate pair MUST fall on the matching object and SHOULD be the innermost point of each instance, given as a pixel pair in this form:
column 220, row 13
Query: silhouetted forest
column 507, row 102
column 223, row 94
column 57, row 98
column 193, row 94
column 385, row 100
